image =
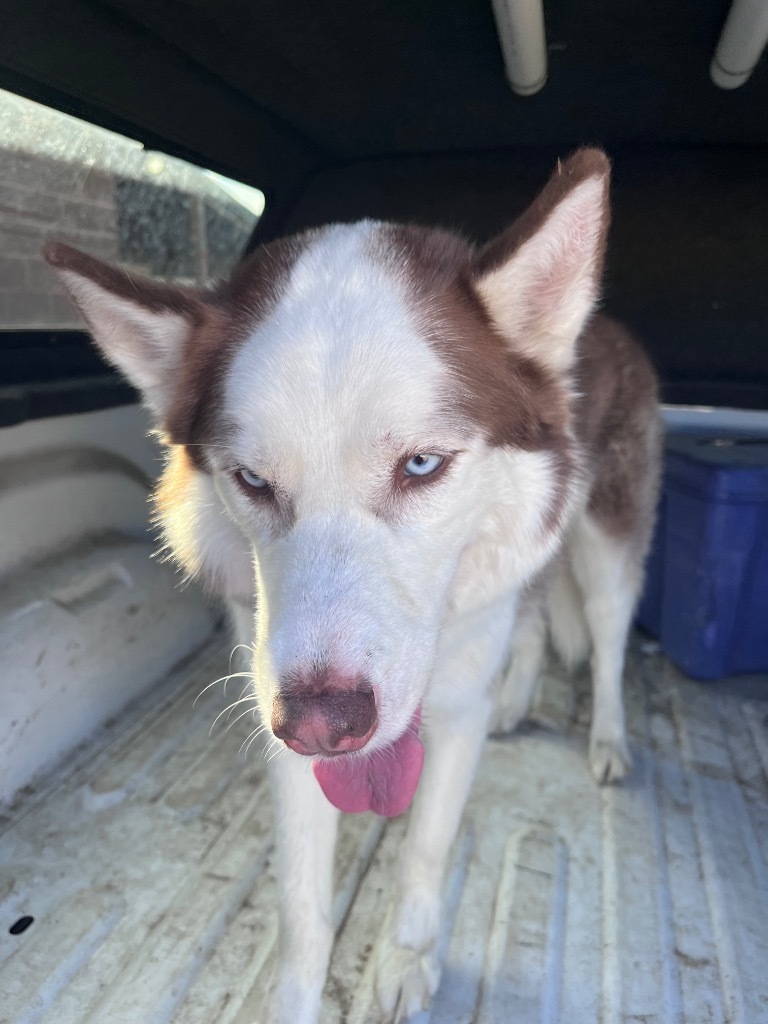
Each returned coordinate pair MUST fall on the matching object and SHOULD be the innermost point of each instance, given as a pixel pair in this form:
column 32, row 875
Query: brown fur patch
column 155, row 296
column 511, row 399
column 618, row 424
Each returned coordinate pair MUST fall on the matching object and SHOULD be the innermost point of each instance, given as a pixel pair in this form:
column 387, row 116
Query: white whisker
column 222, row 679
column 247, row 738
column 248, row 711
column 275, row 752
column 242, row 700
column 246, row 647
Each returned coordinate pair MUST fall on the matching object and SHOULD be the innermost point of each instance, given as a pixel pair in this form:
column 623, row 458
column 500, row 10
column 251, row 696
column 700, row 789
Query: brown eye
column 423, row 464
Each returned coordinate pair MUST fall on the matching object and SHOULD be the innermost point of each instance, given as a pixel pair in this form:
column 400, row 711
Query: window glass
column 67, row 179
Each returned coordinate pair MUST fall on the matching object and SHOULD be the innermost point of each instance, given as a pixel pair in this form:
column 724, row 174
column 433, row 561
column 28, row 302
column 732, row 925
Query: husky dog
column 398, row 457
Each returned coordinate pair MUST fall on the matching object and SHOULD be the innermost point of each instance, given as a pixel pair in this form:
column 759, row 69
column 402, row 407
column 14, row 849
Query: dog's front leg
column 408, row 969
column 305, row 829
column 305, row 837
column 456, row 716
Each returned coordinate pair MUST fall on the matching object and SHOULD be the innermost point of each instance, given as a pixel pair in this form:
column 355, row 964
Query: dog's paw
column 406, row 980
column 511, row 709
column 609, row 759
column 289, row 1000
column 505, row 720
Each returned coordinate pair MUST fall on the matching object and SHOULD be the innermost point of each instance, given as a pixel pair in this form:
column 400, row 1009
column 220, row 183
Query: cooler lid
column 721, row 467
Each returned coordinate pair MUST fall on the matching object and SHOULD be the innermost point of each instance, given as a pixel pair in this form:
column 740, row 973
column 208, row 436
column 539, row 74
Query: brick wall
column 152, row 228
column 41, row 198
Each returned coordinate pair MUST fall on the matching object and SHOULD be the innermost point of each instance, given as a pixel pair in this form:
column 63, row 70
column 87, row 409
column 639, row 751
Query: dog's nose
column 332, row 721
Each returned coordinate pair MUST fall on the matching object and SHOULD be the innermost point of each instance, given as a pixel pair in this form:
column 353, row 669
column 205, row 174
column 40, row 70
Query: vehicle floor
column 148, row 869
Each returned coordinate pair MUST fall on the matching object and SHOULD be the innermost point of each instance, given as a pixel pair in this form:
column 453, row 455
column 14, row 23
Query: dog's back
column 617, row 422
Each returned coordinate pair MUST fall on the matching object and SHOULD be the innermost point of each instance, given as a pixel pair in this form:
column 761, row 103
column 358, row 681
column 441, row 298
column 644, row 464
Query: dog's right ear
column 141, row 326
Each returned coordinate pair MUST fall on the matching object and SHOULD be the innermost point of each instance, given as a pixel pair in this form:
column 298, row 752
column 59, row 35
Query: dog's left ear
column 540, row 279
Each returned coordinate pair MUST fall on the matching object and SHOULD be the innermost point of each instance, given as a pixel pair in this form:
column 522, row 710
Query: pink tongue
column 384, row 782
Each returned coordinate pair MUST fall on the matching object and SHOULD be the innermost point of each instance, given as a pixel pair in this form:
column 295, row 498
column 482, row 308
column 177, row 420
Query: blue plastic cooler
column 706, row 594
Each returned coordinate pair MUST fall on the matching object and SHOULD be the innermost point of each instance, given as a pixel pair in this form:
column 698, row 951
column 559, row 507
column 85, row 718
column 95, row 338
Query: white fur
column 416, row 592
column 610, row 578
column 565, row 612
column 201, row 534
column 522, row 675
column 306, row 835
column 586, row 606
column 334, row 388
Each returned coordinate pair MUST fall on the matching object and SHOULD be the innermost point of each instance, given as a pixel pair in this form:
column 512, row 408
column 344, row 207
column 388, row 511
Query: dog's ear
column 140, row 325
column 540, row 279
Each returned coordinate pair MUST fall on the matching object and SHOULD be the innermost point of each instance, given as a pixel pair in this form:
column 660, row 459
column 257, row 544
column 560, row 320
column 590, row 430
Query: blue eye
column 258, row 483
column 423, row 465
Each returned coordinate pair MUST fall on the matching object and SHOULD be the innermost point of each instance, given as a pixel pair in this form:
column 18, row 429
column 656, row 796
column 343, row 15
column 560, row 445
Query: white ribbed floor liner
column 148, row 872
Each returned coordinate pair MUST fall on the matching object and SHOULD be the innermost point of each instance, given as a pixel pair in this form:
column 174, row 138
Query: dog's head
column 368, row 426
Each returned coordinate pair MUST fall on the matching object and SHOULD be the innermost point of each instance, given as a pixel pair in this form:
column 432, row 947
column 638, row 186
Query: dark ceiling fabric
column 267, row 89
column 345, row 108
column 376, row 77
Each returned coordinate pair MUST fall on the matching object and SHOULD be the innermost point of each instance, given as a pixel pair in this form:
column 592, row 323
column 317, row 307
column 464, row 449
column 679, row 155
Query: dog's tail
column 567, row 624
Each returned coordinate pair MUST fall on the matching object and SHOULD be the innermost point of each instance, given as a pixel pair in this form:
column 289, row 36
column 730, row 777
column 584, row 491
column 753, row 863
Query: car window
column 64, row 178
